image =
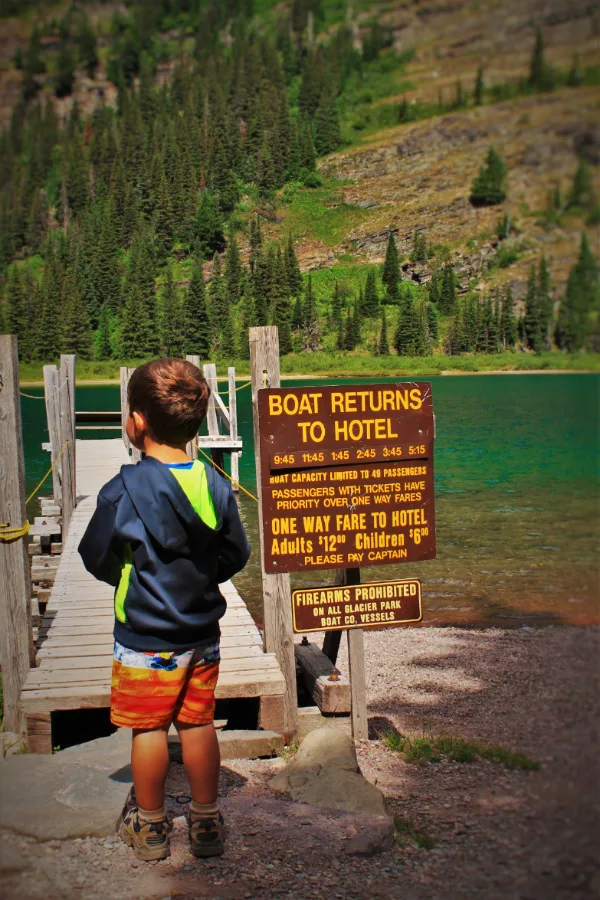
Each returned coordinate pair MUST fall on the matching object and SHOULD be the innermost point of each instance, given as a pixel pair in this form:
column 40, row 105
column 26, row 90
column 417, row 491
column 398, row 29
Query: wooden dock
column 75, row 638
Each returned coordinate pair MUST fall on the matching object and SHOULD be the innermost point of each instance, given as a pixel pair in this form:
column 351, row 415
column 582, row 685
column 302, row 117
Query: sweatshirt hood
column 163, row 507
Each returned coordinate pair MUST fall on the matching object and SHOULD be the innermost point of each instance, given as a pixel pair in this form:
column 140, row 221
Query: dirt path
column 498, row 833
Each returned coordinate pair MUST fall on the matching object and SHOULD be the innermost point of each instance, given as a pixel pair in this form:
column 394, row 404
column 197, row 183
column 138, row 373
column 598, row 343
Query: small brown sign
column 382, row 604
column 346, row 476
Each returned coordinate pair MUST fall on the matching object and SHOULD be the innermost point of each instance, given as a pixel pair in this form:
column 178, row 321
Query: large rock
column 325, row 773
column 75, row 793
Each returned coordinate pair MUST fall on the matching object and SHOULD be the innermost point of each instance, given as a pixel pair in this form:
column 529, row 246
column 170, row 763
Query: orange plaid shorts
column 150, row 690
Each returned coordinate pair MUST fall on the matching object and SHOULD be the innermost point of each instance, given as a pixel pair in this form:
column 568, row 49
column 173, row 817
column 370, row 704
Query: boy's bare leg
column 202, row 760
column 150, row 765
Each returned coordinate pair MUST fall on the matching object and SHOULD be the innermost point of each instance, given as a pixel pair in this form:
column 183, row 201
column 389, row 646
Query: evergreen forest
column 151, row 222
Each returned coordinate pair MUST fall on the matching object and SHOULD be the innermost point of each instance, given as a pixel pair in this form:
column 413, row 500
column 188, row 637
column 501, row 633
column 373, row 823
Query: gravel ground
column 498, row 833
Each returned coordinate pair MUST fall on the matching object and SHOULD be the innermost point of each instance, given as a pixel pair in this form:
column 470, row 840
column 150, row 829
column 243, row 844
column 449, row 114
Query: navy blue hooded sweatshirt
column 143, row 516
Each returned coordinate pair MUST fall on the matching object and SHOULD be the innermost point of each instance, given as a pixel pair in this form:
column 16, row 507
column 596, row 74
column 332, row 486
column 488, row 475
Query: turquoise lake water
column 516, row 474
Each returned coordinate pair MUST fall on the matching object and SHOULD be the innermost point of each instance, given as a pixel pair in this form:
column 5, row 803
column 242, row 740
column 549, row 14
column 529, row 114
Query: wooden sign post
column 345, row 476
column 16, row 636
column 67, row 437
column 51, row 394
column 264, row 365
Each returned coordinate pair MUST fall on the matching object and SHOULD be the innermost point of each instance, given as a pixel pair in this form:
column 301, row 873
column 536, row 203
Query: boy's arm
column 97, row 547
column 234, row 551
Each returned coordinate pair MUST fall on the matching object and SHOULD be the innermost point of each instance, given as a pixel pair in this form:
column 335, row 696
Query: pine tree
column 383, row 347
column 76, row 329
column 308, row 159
column 294, row 276
column 102, row 338
column 224, row 181
column 541, row 76
column 582, row 193
column 432, row 323
column 352, row 327
column 508, row 321
column 208, row 228
column 77, row 177
column 196, row 323
column 371, row 298
column 340, row 337
column 327, row 125
column 255, row 242
column 266, row 176
column 479, row 88
column 233, row 271
column 47, row 330
column 65, row 70
column 534, row 327
column 164, row 217
column 220, row 312
column 545, row 301
column 248, row 320
column 310, row 319
column 281, row 305
column 16, row 306
column 88, row 52
column 337, row 305
column 419, row 253
column 492, row 318
column 106, row 269
column 172, row 326
column 434, row 287
column 391, row 270
column 297, row 318
column 581, row 298
column 470, row 324
column 489, row 187
column 138, row 321
column 36, row 223
column 410, row 338
column 447, row 301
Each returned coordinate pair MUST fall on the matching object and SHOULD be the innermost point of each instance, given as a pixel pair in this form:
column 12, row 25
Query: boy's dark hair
column 173, row 396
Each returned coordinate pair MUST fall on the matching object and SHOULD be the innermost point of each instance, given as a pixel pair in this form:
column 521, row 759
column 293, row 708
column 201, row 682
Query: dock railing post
column 233, row 429
column 212, row 421
column 51, row 392
column 124, row 381
column 192, row 446
column 67, row 436
column 16, row 636
column 277, row 602
column 136, row 454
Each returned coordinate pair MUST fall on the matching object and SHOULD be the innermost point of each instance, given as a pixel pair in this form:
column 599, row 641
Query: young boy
column 166, row 533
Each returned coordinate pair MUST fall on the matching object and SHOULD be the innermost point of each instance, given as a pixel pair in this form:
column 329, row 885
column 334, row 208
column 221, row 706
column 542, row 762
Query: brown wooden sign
column 375, row 605
column 347, row 476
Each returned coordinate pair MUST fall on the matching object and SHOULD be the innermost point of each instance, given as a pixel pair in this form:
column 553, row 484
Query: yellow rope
column 43, row 396
column 8, row 534
column 241, row 387
column 223, row 472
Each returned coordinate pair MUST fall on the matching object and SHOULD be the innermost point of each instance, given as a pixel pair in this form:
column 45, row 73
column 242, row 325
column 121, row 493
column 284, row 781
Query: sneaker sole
column 146, row 854
column 215, row 850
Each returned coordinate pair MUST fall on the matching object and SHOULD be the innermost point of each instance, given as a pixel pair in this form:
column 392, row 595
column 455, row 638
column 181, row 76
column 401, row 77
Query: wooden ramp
column 75, row 638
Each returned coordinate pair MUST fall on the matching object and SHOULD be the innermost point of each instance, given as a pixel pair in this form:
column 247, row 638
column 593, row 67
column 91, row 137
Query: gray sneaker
column 206, row 834
column 149, row 840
